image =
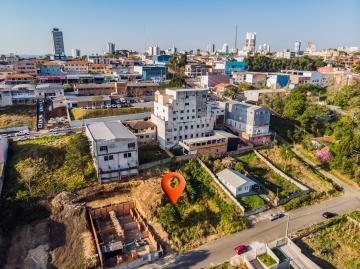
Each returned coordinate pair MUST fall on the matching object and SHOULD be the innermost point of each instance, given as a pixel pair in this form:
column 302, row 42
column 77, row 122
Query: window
column 127, row 155
column 193, row 110
column 186, row 104
column 108, row 157
column 131, row 145
column 191, row 126
column 174, row 119
column 102, row 148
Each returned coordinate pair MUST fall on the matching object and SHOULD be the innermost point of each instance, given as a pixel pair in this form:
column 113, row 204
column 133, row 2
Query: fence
column 281, row 173
column 152, row 164
column 221, row 185
column 136, row 116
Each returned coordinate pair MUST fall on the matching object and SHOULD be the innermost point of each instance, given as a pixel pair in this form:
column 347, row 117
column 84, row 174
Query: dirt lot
column 13, row 116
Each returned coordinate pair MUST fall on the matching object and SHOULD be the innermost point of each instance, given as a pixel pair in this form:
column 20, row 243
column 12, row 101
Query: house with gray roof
column 114, row 149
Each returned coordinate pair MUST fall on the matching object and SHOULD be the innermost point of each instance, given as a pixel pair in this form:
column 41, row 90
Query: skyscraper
column 250, row 41
column 57, row 44
column 111, row 48
column 311, row 47
column 297, row 48
column 154, row 50
column 264, row 48
column 211, row 48
column 225, row 48
column 75, row 53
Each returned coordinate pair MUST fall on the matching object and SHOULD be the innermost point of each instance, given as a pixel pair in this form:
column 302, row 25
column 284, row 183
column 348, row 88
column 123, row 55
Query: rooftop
column 139, row 124
column 234, row 178
column 109, row 131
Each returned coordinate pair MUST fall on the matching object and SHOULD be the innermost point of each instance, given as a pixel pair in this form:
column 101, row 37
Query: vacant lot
column 203, row 212
column 13, row 116
column 150, row 153
column 263, row 174
column 79, row 114
column 298, row 170
column 46, row 166
column 335, row 246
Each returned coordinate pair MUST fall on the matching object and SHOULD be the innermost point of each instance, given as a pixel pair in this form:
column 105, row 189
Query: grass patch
column 20, row 115
column 79, row 114
column 150, row 153
column 46, row 166
column 299, row 170
column 266, row 259
column 355, row 215
column 201, row 211
column 251, row 202
column 267, row 177
column 226, row 265
column 337, row 245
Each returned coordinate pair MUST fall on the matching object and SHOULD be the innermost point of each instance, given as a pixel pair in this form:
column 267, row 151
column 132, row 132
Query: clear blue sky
column 25, row 25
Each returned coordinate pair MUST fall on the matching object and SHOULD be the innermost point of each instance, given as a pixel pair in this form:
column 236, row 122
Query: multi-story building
column 250, row 121
column 13, row 79
column 99, row 68
column 250, row 42
column 94, row 89
column 233, row 66
column 195, row 69
column 26, row 67
column 75, row 66
column 144, row 130
column 211, row 48
column 75, row 53
column 181, row 114
column 152, row 72
column 25, row 94
column 57, row 44
column 297, row 48
column 114, row 150
column 111, row 48
column 154, row 50
column 264, row 48
column 297, row 77
column 51, row 68
column 225, row 48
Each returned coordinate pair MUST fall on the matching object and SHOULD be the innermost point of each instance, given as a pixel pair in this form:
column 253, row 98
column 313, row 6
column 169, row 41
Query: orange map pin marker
column 173, row 193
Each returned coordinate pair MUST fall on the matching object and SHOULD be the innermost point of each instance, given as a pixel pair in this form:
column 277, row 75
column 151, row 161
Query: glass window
column 131, row 145
column 102, row 148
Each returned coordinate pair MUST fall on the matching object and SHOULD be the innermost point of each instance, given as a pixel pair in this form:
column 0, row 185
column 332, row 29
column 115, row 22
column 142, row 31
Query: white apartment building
column 181, row 114
column 114, row 150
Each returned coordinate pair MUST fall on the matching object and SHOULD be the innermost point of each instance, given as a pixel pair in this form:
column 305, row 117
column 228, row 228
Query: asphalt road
column 221, row 250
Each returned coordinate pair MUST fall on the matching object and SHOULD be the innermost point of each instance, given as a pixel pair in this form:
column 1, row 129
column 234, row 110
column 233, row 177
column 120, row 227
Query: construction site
column 122, row 237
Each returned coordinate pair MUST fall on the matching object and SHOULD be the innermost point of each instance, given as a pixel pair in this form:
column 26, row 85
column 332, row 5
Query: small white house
column 236, row 182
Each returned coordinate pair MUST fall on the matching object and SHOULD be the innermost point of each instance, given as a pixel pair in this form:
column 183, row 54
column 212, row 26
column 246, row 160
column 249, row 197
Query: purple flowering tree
column 324, row 155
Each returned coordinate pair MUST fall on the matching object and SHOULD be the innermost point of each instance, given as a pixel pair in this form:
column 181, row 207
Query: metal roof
column 109, row 131
column 234, row 178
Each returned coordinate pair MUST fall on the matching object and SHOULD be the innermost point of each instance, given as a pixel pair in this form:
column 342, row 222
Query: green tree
column 295, row 104
column 286, row 154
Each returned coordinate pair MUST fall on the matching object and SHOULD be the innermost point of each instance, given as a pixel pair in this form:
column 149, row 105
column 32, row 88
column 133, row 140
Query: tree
column 286, row 154
column 177, row 63
column 295, row 104
column 323, row 155
column 356, row 68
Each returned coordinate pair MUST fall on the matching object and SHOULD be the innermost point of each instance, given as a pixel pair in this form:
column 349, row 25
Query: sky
column 25, row 25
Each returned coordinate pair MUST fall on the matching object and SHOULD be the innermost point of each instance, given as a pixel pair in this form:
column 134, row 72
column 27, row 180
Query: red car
column 241, row 249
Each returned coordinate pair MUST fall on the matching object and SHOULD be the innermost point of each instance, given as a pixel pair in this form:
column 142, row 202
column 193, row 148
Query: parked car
column 108, row 106
column 328, row 215
column 275, row 216
column 21, row 133
column 241, row 249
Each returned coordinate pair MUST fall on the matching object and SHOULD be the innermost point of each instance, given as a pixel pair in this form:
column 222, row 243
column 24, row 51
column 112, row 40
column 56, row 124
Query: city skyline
column 97, row 24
